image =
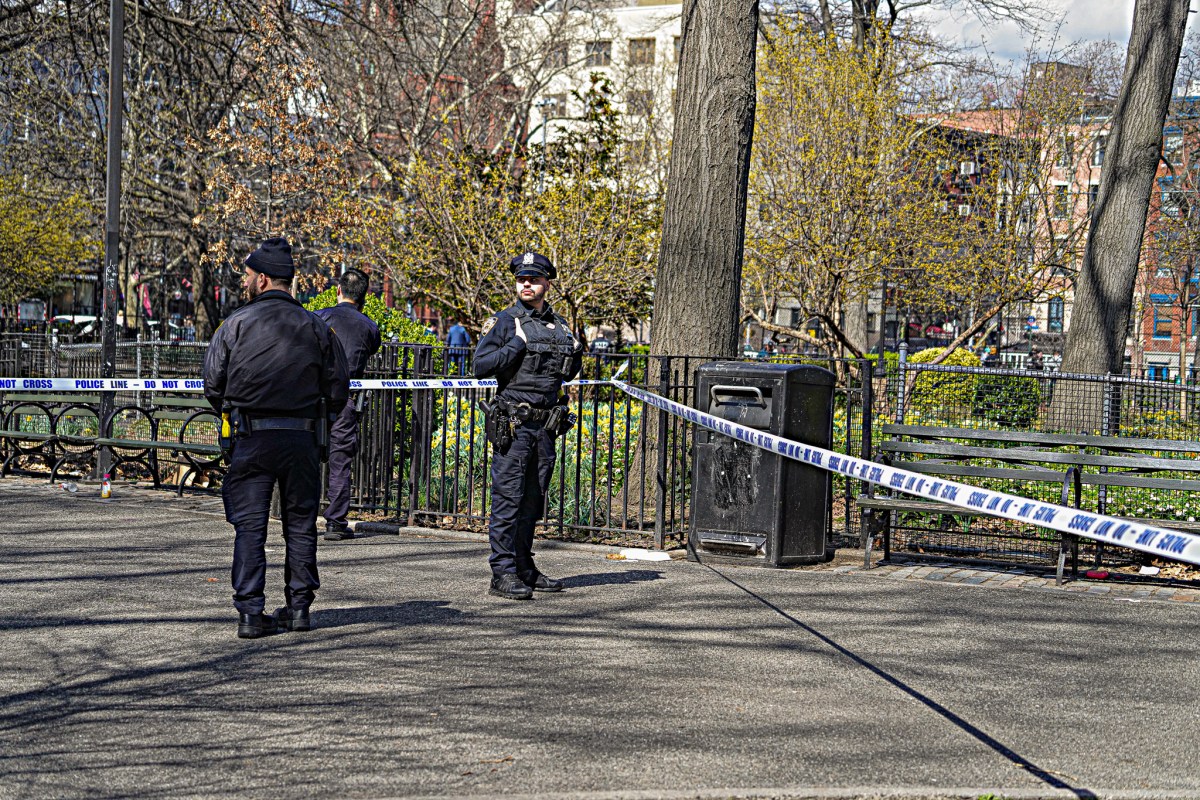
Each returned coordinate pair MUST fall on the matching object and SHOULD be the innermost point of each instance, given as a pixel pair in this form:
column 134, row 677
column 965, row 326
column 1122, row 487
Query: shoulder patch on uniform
column 487, row 326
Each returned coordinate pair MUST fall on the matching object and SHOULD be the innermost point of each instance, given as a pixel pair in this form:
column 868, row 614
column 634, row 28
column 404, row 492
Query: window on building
column 1055, row 310
column 557, row 107
column 641, row 51
column 1172, row 203
column 795, row 319
column 1093, row 196
column 1164, row 272
column 639, row 152
column 1066, row 156
column 1158, row 372
column 1173, row 147
column 1164, row 322
column 1062, row 201
column 1098, row 149
column 598, row 53
column 640, row 103
column 558, row 56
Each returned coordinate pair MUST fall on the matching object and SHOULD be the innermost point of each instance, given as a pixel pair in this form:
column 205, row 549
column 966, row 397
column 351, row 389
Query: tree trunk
column 856, row 324
column 697, row 287
column 204, row 302
column 698, row 281
column 1104, row 297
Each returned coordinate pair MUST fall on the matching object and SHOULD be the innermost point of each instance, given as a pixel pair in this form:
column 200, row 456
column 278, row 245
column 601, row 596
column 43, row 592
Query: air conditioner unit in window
column 964, row 210
column 966, row 168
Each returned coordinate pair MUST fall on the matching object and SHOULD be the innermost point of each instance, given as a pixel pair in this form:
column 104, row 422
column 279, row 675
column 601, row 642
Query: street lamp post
column 542, row 105
column 112, row 215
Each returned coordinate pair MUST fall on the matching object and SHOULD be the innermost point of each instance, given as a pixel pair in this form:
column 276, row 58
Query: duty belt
column 523, row 412
column 253, row 424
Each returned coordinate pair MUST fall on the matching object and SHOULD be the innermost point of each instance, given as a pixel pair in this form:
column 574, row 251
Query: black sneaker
column 510, row 587
column 337, row 531
column 541, row 583
column 293, row 619
column 252, row 626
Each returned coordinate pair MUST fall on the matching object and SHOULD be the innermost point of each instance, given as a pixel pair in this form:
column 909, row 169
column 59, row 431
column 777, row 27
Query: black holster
column 559, row 420
column 497, row 424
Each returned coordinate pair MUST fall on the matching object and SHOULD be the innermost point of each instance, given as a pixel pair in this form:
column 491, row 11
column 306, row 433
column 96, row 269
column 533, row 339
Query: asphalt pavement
column 121, row 675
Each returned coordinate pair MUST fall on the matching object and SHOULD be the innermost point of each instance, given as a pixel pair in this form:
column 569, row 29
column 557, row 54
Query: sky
column 1085, row 20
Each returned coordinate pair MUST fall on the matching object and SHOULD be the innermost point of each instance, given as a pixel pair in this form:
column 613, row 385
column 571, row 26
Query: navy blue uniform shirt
column 358, row 335
column 271, row 357
column 503, row 355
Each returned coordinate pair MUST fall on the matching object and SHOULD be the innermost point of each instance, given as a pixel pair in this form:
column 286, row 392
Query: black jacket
column 358, row 335
column 528, row 373
column 271, row 357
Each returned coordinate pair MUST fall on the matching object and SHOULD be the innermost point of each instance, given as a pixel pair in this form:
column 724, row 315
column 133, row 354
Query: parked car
column 79, row 326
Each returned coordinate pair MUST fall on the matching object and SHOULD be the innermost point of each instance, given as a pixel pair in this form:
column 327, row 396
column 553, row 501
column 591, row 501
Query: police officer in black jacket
column 274, row 369
column 530, row 351
column 359, row 337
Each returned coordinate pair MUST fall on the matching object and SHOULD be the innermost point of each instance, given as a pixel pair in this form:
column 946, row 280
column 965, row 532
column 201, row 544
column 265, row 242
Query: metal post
column 660, row 471
column 903, row 390
column 112, row 218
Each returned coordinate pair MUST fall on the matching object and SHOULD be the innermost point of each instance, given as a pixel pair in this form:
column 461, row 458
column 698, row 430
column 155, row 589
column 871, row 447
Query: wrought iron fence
column 622, row 474
column 1136, row 410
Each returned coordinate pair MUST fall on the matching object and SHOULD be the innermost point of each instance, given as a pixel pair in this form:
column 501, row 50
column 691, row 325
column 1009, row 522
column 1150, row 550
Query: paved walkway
column 121, row 675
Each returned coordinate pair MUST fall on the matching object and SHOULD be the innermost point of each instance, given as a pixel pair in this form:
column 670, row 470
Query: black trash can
column 751, row 506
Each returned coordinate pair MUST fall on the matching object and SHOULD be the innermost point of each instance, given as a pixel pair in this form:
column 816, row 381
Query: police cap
column 274, row 258
column 533, row 264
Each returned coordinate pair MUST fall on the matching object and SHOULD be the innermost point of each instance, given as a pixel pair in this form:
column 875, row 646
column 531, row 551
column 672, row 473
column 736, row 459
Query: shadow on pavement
column 611, row 578
column 413, row 612
column 1004, row 750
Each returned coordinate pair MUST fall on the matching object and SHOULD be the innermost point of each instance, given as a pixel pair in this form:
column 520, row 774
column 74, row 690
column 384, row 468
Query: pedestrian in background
column 457, row 342
column 530, row 351
column 359, row 337
column 274, row 371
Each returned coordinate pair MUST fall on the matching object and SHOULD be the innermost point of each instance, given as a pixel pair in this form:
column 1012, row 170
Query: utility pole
column 112, row 218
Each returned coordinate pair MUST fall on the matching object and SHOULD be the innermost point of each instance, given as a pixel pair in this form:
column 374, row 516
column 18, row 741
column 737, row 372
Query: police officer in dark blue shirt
column 530, row 351
column 359, row 337
column 273, row 369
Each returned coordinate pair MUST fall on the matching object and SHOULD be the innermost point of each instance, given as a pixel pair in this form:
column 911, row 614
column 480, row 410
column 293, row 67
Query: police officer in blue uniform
column 359, row 337
column 530, row 351
column 276, row 373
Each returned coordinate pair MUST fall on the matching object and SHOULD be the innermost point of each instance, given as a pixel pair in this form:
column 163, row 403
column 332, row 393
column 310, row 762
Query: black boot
column 510, row 587
column 540, row 583
column 252, row 626
column 337, row 531
column 293, row 619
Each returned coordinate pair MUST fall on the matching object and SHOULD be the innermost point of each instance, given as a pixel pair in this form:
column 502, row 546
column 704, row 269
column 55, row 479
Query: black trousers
column 520, row 479
column 343, row 446
column 258, row 462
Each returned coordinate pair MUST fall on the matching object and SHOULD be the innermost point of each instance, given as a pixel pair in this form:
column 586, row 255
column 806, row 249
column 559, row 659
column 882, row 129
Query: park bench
column 39, row 425
column 183, row 426
column 1060, row 463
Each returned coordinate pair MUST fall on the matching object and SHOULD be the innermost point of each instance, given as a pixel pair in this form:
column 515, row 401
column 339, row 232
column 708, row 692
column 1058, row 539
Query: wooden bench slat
column 931, row 467
column 30, row 435
column 1020, row 454
column 1048, row 439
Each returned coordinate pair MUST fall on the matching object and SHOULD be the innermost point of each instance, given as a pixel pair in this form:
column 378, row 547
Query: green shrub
column 392, row 323
column 891, row 363
column 1009, row 401
column 948, row 391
